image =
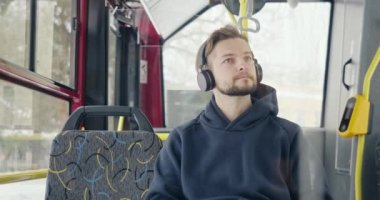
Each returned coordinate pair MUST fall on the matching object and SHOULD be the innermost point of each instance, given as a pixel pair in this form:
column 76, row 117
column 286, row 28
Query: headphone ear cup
column 259, row 72
column 205, row 80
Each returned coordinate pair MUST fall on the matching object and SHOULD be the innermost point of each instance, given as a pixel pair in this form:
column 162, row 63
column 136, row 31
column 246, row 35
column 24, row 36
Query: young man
column 237, row 148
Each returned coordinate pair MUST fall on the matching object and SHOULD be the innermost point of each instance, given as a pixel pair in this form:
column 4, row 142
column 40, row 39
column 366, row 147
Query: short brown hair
column 227, row 32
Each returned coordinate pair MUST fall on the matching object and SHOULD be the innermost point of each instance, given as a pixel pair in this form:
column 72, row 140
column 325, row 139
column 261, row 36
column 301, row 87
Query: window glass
column 111, row 75
column 291, row 47
column 111, row 67
column 14, row 34
column 53, row 40
column 28, row 123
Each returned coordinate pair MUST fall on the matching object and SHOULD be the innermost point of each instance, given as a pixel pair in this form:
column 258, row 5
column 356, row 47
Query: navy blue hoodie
column 253, row 157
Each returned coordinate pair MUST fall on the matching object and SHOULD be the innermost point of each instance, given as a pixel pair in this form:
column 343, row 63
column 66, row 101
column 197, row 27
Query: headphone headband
column 203, row 59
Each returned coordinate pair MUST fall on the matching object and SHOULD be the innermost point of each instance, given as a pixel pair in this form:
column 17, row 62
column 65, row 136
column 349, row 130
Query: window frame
column 28, row 78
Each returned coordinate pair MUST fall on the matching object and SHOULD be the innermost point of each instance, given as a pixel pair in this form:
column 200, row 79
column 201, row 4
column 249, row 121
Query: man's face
column 233, row 67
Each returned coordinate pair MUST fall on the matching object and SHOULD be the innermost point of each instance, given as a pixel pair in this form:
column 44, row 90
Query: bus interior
column 59, row 55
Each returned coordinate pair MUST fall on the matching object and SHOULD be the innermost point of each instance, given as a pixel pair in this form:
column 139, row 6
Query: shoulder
column 292, row 129
column 177, row 134
column 287, row 125
column 186, row 127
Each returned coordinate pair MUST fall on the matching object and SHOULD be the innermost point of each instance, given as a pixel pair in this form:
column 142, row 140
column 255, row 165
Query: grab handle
column 349, row 61
column 81, row 113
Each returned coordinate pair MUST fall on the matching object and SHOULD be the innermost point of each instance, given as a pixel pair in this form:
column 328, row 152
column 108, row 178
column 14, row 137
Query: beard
column 234, row 90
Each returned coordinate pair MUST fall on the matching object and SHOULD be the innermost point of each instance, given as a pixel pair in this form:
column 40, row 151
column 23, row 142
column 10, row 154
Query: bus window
column 53, row 40
column 291, row 47
column 28, row 123
column 111, row 67
column 14, row 34
column 111, row 51
column 39, row 37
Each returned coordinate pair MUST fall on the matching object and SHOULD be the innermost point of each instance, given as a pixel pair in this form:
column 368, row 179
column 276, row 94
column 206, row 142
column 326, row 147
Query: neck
column 232, row 106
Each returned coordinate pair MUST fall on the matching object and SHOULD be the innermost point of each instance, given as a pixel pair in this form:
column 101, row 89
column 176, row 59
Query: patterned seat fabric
column 102, row 164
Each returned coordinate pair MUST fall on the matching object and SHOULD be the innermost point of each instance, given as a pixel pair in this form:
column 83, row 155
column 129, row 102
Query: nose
column 243, row 65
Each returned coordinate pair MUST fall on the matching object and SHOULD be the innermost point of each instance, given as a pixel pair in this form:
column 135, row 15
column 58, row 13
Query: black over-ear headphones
column 205, row 78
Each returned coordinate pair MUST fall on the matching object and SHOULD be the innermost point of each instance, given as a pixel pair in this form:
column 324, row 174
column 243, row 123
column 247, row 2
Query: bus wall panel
column 370, row 43
column 345, row 44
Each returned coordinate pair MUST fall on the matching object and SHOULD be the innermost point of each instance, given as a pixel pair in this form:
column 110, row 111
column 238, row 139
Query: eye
column 248, row 58
column 228, row 60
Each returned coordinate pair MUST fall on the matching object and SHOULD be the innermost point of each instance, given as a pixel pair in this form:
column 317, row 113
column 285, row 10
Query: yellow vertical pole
column 120, row 123
column 243, row 13
column 361, row 138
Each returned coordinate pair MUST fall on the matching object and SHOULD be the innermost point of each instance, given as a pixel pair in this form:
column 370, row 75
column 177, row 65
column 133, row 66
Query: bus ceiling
column 169, row 16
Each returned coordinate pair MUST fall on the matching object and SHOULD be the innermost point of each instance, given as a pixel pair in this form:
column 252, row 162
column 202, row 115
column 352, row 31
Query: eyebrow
column 231, row 54
column 228, row 55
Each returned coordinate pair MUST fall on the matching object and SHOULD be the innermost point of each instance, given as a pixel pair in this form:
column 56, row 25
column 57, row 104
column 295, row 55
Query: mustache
column 243, row 75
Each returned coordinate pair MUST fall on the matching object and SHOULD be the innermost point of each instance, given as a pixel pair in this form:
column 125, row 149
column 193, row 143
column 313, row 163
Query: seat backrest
column 102, row 164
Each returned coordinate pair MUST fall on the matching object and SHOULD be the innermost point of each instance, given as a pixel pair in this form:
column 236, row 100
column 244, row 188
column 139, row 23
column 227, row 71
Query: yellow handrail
column 120, row 125
column 243, row 13
column 361, row 138
column 232, row 17
column 371, row 70
column 23, row 175
column 163, row 136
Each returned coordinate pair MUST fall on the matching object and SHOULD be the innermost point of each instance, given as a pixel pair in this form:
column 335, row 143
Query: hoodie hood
column 264, row 104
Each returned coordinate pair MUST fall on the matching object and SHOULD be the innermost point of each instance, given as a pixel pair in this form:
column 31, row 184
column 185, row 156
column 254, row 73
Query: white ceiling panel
column 168, row 15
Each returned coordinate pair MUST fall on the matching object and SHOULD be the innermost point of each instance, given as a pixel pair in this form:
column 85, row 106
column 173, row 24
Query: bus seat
column 97, row 164
column 315, row 139
column 312, row 167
